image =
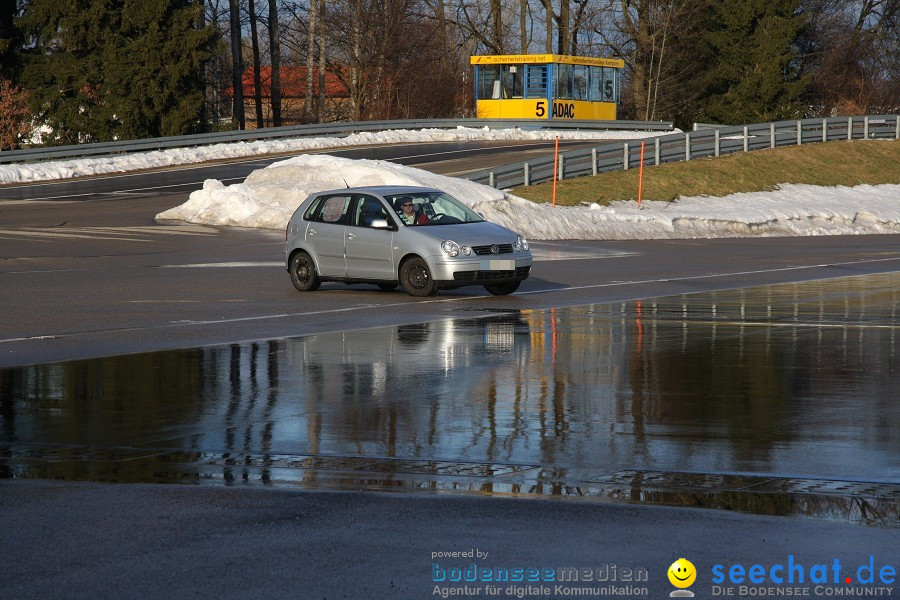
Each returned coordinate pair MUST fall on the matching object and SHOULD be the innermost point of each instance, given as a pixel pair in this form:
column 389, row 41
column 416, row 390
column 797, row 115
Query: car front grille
column 502, row 249
column 476, row 276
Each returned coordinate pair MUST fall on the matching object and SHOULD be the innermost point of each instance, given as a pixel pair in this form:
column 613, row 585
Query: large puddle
column 777, row 400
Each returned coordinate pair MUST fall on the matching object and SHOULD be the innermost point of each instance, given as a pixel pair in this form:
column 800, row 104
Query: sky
column 268, row 196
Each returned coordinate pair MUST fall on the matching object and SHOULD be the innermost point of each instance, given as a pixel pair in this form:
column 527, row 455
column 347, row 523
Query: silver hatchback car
column 420, row 238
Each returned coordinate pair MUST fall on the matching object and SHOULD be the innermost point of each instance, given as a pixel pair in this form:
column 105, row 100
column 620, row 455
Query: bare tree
column 484, row 24
column 310, row 59
column 853, row 50
column 257, row 76
column 237, row 66
column 323, row 62
column 275, row 57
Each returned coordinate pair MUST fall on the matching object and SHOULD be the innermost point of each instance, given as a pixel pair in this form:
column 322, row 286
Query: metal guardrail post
column 849, row 128
column 865, row 127
column 746, row 139
column 656, row 151
column 687, row 147
column 772, row 135
column 718, row 143
column 799, row 133
column 527, row 174
column 626, row 157
column 897, row 127
column 562, row 167
column 824, row 130
column 491, row 179
column 593, row 161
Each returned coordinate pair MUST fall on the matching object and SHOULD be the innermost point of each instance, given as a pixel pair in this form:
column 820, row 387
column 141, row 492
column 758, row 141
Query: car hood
column 469, row 234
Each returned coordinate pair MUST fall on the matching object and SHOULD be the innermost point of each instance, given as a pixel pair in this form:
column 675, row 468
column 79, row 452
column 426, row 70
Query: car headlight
column 520, row 244
column 450, row 248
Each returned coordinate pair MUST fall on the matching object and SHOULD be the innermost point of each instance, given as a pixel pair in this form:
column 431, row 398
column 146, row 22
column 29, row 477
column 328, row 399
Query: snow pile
column 64, row 169
column 269, row 196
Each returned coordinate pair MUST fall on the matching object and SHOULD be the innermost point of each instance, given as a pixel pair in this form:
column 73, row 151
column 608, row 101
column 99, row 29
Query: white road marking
column 128, row 234
column 226, row 265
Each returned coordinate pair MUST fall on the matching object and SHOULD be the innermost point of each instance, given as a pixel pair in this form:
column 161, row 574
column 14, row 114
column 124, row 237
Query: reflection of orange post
column 641, row 176
column 555, row 167
column 553, row 335
column 640, row 328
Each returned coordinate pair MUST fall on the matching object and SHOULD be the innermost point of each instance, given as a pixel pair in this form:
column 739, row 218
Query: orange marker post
column 555, row 168
column 641, row 176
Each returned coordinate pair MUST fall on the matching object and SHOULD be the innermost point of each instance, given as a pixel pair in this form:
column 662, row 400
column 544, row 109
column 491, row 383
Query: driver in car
column 408, row 213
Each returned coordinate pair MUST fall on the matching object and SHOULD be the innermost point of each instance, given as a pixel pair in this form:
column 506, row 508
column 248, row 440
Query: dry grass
column 831, row 163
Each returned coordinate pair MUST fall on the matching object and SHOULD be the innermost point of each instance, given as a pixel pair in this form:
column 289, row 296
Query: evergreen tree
column 100, row 70
column 9, row 41
column 754, row 76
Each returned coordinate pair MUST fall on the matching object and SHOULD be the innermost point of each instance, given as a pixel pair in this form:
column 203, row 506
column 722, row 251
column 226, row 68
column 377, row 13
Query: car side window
column 310, row 214
column 367, row 210
column 334, row 210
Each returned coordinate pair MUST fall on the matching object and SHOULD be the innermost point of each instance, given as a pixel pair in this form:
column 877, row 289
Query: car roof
column 381, row 190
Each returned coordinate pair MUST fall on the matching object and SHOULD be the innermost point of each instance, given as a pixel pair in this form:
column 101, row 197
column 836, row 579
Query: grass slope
column 829, row 164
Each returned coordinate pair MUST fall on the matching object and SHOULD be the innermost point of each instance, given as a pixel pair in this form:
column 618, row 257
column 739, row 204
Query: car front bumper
column 477, row 271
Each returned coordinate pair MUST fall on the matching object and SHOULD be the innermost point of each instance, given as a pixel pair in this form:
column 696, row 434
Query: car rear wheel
column 415, row 278
column 303, row 272
column 502, row 289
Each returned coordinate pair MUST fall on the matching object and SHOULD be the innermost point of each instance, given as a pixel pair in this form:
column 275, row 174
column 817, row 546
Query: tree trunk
column 237, row 66
column 548, row 10
column 562, row 44
column 497, row 26
column 355, row 66
column 523, row 21
column 320, row 105
column 257, row 80
column 275, row 54
column 310, row 60
column 639, row 31
column 442, row 33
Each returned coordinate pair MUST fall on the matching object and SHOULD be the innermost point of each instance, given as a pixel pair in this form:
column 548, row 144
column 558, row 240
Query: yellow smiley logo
column 682, row 573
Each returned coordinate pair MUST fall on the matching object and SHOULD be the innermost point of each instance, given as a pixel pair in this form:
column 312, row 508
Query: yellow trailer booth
column 546, row 86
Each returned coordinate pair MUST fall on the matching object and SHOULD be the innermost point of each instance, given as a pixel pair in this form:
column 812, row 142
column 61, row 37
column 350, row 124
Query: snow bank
column 269, row 196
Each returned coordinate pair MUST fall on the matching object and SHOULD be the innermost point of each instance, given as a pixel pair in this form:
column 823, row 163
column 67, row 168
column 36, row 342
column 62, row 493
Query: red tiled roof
column 293, row 83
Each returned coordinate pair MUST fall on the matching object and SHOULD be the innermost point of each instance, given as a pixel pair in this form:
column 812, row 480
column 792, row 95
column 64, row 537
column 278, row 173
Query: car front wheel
column 502, row 289
column 415, row 278
column 303, row 272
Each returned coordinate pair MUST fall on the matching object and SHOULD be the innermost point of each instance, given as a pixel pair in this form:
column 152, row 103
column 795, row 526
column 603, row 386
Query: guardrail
column 706, row 140
column 317, row 130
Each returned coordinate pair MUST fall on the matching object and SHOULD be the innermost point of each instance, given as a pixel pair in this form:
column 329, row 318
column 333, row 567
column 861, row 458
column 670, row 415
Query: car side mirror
column 379, row 224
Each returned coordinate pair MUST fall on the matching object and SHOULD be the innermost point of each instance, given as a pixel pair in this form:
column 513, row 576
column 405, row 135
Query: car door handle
column 312, row 231
column 351, row 236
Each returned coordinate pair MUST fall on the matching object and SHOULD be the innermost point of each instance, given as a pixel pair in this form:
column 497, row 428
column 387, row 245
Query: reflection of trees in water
column 145, row 404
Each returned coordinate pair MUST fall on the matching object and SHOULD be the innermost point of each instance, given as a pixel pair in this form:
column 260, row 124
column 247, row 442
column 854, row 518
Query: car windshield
column 431, row 208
